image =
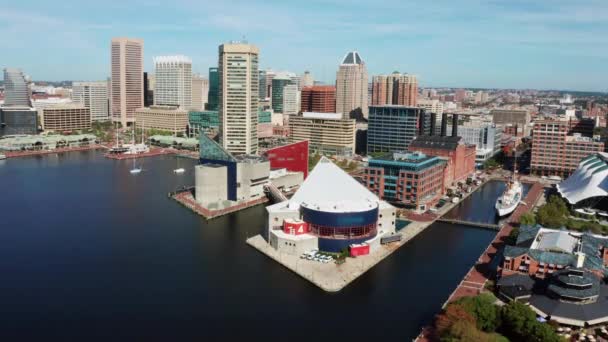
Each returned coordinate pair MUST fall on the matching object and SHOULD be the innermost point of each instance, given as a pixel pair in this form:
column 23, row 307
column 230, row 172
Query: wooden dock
column 491, row 226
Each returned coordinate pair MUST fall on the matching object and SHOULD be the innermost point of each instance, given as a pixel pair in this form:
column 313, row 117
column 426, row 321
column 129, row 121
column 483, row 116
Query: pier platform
column 187, row 200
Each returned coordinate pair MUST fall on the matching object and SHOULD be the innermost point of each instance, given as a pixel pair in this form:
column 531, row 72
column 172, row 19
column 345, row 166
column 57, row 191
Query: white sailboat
column 136, row 169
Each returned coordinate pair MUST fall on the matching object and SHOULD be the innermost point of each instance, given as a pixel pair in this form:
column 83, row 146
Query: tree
column 484, row 311
column 516, row 318
column 554, row 213
column 453, row 313
column 527, row 219
column 512, row 238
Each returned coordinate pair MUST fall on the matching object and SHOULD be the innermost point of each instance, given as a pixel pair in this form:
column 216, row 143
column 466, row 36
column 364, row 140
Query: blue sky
column 544, row 44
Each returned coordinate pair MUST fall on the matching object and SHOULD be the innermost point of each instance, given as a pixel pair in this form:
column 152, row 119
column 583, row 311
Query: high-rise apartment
column 396, row 89
column 319, row 99
column 173, row 81
column 200, row 92
column 213, row 98
column 93, row 95
column 238, row 93
column 351, row 85
column 16, row 90
column 127, row 55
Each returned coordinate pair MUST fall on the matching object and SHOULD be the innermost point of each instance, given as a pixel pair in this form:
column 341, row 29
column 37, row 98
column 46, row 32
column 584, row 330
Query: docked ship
column 510, row 198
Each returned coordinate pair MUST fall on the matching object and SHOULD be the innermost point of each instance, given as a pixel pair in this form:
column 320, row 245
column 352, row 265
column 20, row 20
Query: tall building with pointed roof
column 351, row 85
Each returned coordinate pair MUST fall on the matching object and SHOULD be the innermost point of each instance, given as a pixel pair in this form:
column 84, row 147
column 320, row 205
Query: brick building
column 319, row 99
column 559, row 145
column 413, row 179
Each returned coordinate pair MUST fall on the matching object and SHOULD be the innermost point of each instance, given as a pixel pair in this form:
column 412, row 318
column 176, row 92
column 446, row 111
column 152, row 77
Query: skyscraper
column 16, row 90
column 200, row 92
column 278, row 83
column 397, row 89
column 173, row 81
column 307, row 80
column 392, row 128
column 262, row 87
column 351, row 85
column 291, row 99
column 92, row 95
column 127, row 73
column 238, row 92
column 213, row 98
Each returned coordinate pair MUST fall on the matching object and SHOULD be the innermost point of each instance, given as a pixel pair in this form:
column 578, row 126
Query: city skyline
column 544, row 45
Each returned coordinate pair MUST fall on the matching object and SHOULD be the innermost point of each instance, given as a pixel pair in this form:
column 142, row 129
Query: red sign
column 295, row 228
column 356, row 250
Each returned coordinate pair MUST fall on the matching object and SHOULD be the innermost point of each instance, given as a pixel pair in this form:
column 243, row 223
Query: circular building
column 341, row 224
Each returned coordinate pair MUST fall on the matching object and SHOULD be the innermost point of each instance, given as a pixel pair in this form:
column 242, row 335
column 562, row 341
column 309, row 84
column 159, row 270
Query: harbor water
column 90, row 252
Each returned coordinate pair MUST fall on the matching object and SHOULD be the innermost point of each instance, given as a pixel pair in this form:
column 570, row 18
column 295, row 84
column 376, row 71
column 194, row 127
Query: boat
column 136, row 169
column 511, row 197
column 2, row 156
column 179, row 170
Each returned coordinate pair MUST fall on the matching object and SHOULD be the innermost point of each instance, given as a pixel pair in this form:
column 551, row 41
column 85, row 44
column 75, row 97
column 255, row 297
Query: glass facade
column 17, row 121
column 264, row 116
column 213, row 95
column 392, row 128
column 277, row 93
column 204, row 119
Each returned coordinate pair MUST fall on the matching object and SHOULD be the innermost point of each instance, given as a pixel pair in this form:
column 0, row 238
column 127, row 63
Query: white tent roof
column 329, row 188
column 590, row 179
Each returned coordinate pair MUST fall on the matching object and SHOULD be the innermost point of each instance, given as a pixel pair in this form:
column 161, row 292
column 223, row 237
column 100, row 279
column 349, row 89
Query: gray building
column 263, row 85
column 519, row 117
column 16, row 90
column 392, row 128
column 18, row 120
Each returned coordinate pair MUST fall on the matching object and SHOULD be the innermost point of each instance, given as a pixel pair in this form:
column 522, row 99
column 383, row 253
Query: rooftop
column 352, row 58
column 435, row 141
column 590, row 179
column 326, row 116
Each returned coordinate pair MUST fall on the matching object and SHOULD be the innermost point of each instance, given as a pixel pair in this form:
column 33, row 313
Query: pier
column 485, row 225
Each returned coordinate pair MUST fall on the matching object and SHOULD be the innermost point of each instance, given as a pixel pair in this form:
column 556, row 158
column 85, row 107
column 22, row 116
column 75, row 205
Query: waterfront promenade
column 17, row 154
column 476, row 278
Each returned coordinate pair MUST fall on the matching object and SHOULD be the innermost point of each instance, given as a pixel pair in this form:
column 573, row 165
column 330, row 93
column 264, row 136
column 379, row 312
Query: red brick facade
column 461, row 161
column 319, row 99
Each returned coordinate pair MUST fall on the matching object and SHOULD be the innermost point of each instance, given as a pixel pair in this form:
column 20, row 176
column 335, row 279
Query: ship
column 510, row 198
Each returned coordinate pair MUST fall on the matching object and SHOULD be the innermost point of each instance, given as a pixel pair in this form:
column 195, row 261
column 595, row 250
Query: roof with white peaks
column 590, row 179
column 329, row 188
column 352, row 58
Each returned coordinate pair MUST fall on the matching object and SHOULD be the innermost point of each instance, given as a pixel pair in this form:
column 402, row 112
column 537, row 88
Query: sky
column 540, row 44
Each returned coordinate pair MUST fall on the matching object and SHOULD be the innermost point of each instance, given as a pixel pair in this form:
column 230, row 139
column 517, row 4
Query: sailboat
column 135, row 169
column 179, row 169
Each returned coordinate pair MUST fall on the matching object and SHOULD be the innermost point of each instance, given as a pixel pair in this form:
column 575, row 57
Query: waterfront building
column 93, row 95
column 587, row 186
column 174, row 142
column 66, row 118
column 395, row 89
column 319, row 99
column 351, row 85
column 569, row 265
column 292, row 157
column 330, row 211
column 163, row 118
column 519, row 118
column 412, row 179
column 307, row 80
column 238, row 92
column 459, row 155
column 127, row 72
column 485, row 136
column 16, row 89
column 559, row 145
column 15, row 120
column 173, row 86
column 205, row 120
column 200, row 92
column 45, row 142
column 279, row 82
column 213, row 98
column 327, row 133
column 291, row 99
column 392, row 128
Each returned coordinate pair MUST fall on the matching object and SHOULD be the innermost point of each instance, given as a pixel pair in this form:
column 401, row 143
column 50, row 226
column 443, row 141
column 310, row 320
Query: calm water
column 88, row 251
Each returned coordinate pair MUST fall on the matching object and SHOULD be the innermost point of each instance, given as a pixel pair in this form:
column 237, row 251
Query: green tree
column 554, row 213
column 516, row 320
column 512, row 238
column 487, row 315
column 527, row 219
